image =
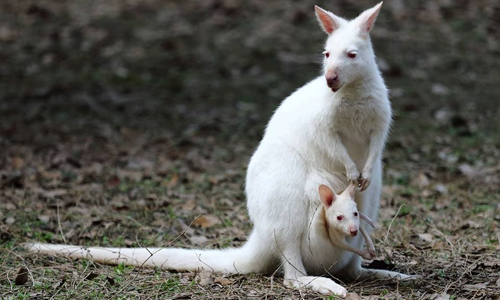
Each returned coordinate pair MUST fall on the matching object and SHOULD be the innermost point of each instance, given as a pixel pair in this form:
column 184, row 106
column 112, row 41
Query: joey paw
column 371, row 253
column 367, row 255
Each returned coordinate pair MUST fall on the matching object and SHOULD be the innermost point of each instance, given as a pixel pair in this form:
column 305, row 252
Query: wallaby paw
column 321, row 285
column 353, row 175
column 364, row 182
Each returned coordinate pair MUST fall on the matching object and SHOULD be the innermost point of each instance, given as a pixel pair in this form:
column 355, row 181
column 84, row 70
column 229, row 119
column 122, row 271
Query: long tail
column 247, row 259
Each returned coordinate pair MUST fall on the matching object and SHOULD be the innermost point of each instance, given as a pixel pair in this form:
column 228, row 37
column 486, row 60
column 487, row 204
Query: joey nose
column 354, row 232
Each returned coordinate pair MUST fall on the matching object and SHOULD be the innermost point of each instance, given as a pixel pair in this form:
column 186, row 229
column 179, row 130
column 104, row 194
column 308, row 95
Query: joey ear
column 367, row 18
column 351, row 189
column 328, row 21
column 367, row 219
column 326, row 195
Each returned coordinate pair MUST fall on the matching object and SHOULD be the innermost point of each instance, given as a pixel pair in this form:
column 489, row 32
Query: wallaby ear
column 367, row 220
column 328, row 21
column 367, row 18
column 326, row 195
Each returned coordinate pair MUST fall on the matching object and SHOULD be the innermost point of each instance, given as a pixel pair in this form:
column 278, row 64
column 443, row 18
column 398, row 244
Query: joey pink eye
column 340, row 217
column 352, row 54
column 327, row 54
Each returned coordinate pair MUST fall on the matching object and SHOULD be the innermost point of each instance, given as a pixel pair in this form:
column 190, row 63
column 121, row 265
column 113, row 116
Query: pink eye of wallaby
column 327, row 54
column 351, row 54
column 340, row 217
column 355, row 213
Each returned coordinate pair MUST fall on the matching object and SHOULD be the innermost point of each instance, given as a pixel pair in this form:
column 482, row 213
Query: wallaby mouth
column 335, row 87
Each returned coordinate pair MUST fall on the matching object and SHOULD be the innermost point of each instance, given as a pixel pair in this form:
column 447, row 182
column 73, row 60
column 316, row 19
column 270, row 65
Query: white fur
column 313, row 129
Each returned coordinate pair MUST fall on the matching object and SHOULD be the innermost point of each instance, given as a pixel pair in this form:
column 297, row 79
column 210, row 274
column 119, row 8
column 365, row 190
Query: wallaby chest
column 356, row 119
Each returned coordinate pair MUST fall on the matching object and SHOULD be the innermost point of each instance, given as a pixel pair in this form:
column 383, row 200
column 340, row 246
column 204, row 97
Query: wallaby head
column 348, row 54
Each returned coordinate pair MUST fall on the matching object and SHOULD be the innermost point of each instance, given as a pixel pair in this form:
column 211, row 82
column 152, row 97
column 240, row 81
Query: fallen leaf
column 140, row 164
column 422, row 180
column 426, row 237
column 44, row 218
column 174, row 180
column 442, row 296
column 189, row 206
column 91, row 276
column 110, row 280
column 467, row 170
column 198, row 240
column 439, row 245
column 120, row 202
column 473, row 224
column 474, row 287
column 353, row 296
column 54, row 193
column 223, row 281
column 7, row 34
column 498, row 281
column 60, row 284
column 206, row 221
column 22, row 276
column 412, row 263
column 10, row 220
column 17, row 162
column 133, row 175
column 204, row 278
column 441, row 188
column 439, row 89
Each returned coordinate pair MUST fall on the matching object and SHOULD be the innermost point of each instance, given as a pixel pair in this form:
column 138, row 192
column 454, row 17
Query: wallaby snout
column 353, row 230
column 332, row 80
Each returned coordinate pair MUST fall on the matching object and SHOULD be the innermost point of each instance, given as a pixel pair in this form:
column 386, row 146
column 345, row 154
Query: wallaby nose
column 354, row 232
column 332, row 80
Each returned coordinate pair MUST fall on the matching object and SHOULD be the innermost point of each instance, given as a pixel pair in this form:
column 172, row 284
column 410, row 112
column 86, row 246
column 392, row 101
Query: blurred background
column 149, row 110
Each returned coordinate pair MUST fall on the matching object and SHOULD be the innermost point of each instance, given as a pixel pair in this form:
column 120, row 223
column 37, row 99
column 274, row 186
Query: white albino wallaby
column 339, row 218
column 338, row 123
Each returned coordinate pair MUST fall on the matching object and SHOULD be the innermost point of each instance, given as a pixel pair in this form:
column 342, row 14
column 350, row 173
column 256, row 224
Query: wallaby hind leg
column 356, row 272
column 296, row 276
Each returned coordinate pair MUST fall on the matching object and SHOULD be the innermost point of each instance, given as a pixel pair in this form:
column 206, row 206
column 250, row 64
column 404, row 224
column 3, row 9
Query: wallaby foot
column 367, row 273
column 321, row 285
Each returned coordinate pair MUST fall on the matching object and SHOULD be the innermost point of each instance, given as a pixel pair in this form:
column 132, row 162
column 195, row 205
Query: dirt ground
column 131, row 123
